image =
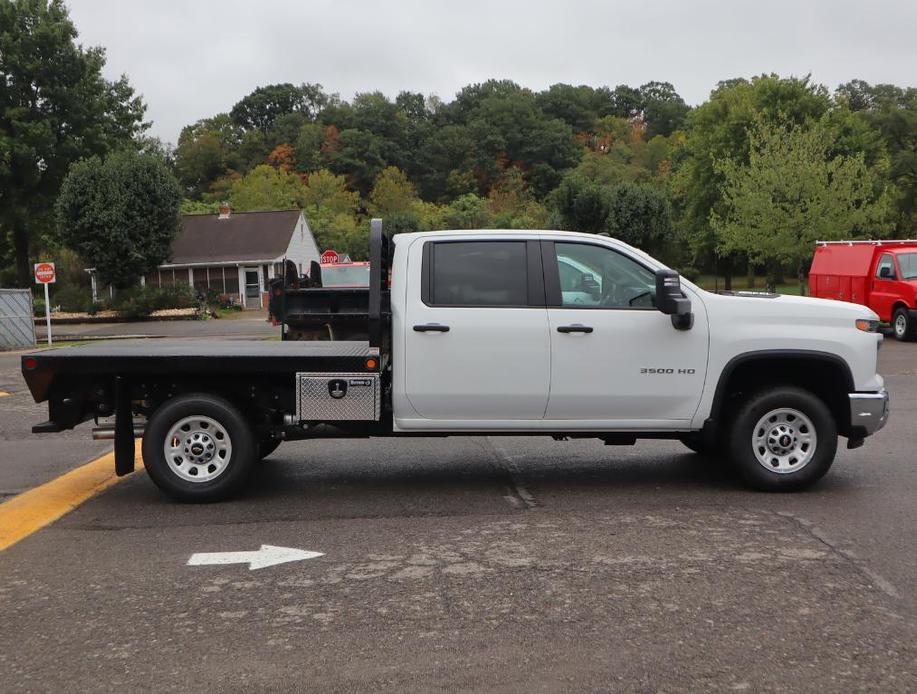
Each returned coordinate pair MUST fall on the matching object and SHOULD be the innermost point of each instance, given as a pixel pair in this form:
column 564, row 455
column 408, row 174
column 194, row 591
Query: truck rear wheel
column 783, row 439
column 198, row 448
column 904, row 326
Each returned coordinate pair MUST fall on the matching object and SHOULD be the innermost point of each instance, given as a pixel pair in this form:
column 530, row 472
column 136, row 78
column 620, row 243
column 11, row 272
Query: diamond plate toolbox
column 332, row 397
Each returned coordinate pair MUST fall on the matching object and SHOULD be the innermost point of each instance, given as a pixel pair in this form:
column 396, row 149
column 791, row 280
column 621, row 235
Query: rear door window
column 477, row 273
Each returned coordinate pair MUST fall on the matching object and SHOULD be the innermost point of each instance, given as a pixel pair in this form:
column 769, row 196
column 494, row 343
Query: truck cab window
column 478, row 273
column 598, row 277
column 886, row 268
column 908, row 264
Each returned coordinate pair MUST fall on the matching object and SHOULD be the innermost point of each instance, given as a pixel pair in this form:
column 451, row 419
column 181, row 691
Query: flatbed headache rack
column 307, row 311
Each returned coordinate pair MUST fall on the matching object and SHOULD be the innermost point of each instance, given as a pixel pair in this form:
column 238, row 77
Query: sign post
column 330, row 257
column 46, row 274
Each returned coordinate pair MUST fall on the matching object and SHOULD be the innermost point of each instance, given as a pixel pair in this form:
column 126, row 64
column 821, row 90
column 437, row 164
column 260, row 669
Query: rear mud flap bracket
column 124, row 428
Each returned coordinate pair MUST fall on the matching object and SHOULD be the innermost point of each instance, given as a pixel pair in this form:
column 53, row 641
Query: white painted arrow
column 268, row 555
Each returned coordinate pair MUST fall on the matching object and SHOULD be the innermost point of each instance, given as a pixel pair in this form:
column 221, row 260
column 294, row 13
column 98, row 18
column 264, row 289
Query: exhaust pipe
column 106, row 432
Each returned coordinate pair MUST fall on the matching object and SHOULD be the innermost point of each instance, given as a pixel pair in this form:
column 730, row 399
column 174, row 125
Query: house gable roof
column 205, row 238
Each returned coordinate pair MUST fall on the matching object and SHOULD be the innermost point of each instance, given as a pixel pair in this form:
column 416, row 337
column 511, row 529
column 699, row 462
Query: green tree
column 718, row 130
column 325, row 190
column 581, row 205
column 308, row 146
column 512, row 130
column 618, row 152
column 55, row 108
column 512, row 204
column 331, row 210
column 792, row 192
column 358, row 155
column 466, row 212
column 580, row 107
column 260, row 109
column 891, row 113
column 267, row 188
column 120, row 214
column 664, row 111
column 445, row 161
column 392, row 194
column 201, row 156
column 641, row 216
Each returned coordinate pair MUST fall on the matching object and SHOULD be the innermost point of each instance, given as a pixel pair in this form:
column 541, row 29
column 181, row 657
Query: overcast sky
column 194, row 58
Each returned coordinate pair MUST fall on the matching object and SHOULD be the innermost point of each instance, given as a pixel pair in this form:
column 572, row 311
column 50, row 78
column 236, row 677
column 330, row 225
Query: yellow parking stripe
column 4, row 393
column 32, row 510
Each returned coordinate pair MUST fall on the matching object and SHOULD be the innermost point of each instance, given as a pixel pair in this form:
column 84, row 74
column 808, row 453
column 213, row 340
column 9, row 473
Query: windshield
column 346, row 276
column 908, row 264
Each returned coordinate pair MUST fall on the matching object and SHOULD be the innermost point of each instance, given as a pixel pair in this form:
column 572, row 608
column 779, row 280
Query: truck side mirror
column 886, row 273
column 672, row 301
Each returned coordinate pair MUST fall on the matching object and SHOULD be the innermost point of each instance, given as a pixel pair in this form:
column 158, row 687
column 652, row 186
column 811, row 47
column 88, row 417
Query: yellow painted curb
column 32, row 510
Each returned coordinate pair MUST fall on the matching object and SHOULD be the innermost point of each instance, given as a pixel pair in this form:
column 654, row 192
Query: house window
column 201, row 280
column 231, row 280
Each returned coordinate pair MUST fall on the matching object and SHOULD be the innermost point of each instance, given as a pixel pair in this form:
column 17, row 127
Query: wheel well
column 260, row 400
column 824, row 375
column 897, row 305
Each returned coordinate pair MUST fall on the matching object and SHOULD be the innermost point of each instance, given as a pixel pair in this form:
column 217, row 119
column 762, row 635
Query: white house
column 236, row 253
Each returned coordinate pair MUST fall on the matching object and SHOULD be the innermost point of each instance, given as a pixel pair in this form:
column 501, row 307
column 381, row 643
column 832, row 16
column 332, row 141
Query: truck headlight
column 867, row 325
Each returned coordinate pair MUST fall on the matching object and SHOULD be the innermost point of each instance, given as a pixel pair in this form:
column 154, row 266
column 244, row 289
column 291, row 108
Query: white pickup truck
column 539, row 333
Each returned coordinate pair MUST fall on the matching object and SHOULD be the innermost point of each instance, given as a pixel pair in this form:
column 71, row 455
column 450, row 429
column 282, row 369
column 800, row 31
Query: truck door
column 884, row 287
column 476, row 345
column 616, row 361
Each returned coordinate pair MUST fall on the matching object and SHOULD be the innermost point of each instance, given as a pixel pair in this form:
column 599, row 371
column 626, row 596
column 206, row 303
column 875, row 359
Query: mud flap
column 124, row 428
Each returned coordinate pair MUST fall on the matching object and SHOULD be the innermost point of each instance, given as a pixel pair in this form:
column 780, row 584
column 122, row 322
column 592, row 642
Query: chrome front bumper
column 868, row 412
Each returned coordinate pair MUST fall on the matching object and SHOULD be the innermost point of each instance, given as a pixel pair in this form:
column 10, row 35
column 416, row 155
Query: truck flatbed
column 183, row 356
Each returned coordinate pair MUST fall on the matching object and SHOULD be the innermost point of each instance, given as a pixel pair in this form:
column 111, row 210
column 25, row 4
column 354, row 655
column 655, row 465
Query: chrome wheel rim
column 900, row 325
column 197, row 449
column 784, row 440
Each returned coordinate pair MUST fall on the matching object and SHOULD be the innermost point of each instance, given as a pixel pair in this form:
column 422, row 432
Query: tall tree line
column 695, row 185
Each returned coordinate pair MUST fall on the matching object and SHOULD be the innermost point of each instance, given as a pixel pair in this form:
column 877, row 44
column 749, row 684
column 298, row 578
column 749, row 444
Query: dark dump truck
column 536, row 333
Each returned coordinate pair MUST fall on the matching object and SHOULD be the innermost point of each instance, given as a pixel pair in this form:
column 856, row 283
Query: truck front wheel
column 783, row 439
column 903, row 325
column 198, row 448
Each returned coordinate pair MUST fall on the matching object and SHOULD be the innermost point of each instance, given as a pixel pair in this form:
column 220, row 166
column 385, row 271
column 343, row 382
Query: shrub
column 140, row 302
column 214, row 299
column 72, row 298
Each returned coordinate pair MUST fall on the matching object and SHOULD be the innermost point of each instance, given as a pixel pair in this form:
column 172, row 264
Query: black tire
column 903, row 326
column 268, row 446
column 742, row 449
column 231, row 441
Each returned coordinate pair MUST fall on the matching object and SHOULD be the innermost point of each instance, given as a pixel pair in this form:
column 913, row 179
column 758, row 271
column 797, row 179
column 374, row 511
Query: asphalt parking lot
column 498, row 564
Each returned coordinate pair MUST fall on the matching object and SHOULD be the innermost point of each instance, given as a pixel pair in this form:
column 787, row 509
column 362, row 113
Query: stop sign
column 45, row 273
column 329, row 257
